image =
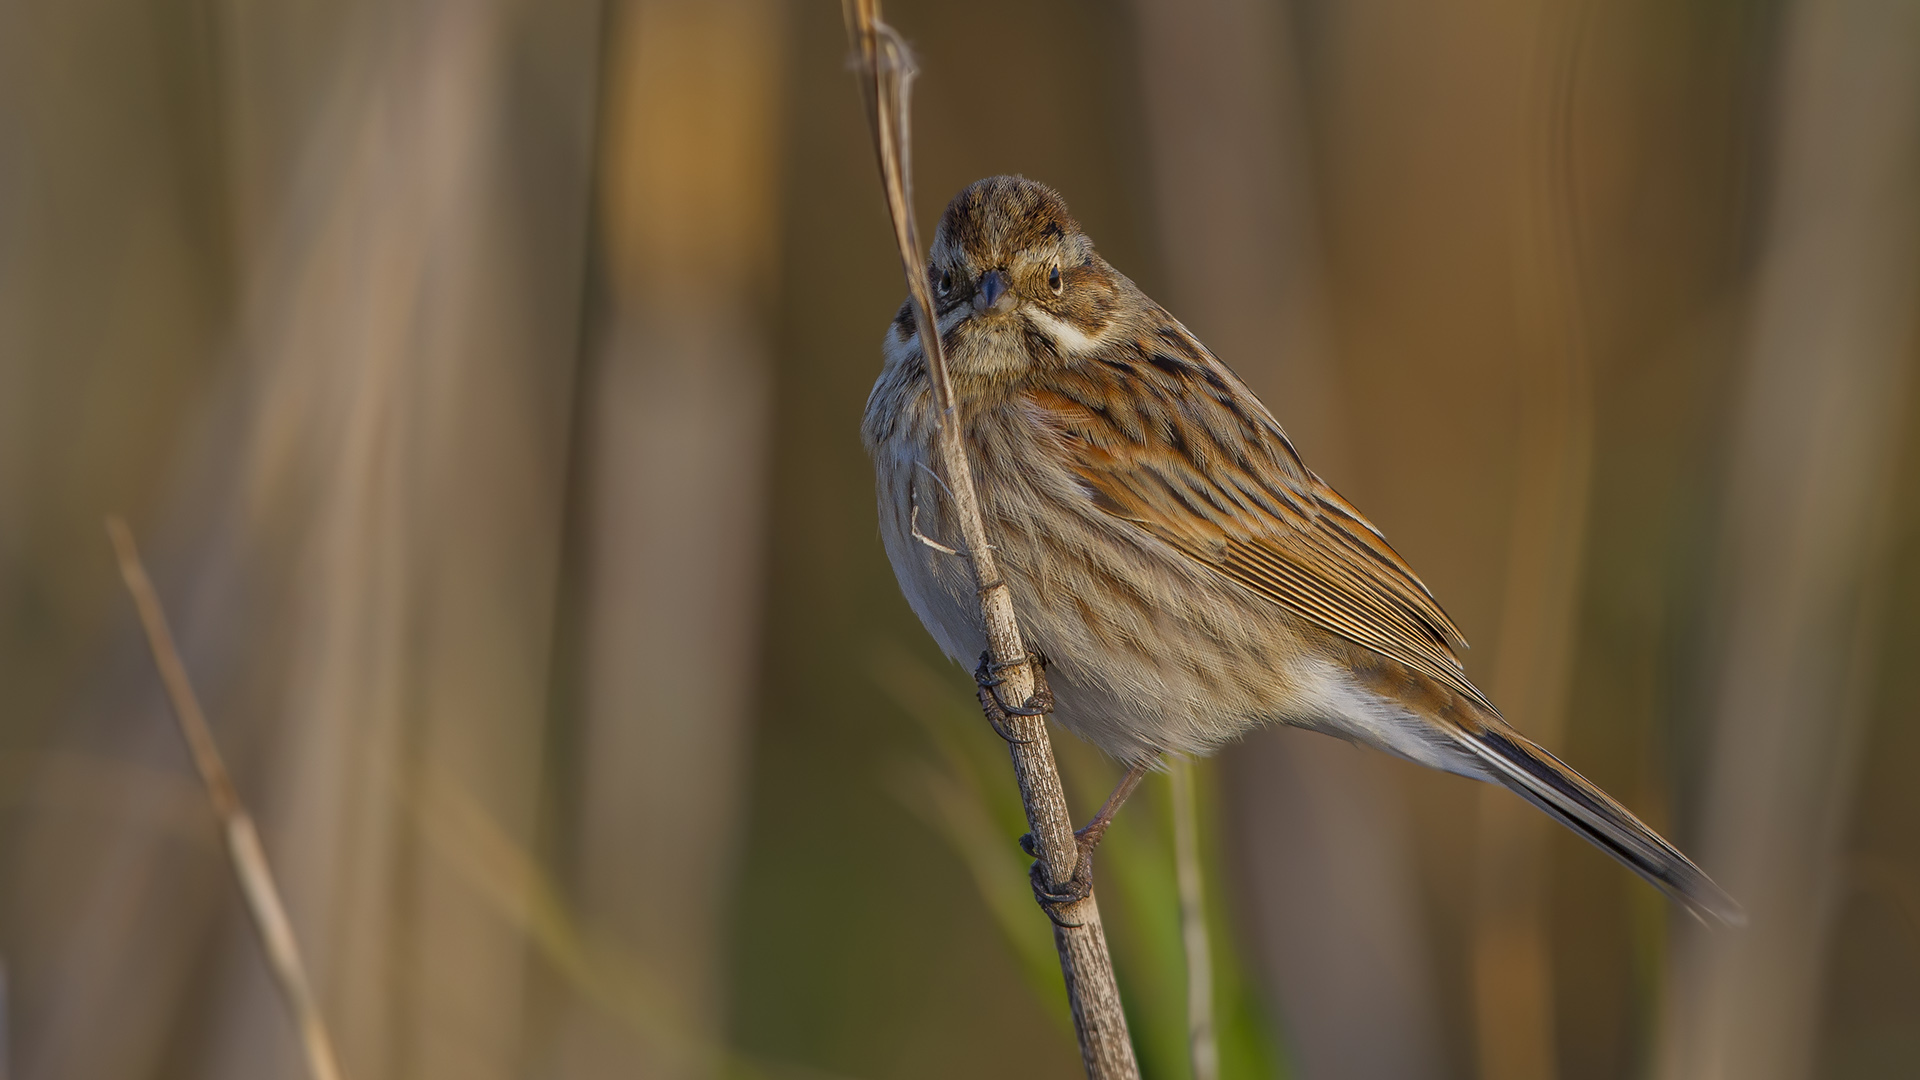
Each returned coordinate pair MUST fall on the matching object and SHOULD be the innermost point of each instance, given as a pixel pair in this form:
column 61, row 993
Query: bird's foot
column 1080, row 885
column 990, row 676
column 1055, row 900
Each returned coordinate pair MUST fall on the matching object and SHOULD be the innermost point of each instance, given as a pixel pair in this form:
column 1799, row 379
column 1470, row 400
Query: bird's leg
column 989, row 677
column 1090, row 834
column 1086, row 838
column 1079, row 886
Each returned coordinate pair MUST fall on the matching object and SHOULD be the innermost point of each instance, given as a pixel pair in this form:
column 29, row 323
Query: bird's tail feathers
column 1548, row 783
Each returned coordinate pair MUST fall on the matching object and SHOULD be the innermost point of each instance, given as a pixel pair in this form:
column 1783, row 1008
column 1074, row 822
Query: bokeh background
column 483, row 378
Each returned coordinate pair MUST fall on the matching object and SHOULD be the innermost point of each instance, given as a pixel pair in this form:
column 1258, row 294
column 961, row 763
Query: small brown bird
column 1187, row 576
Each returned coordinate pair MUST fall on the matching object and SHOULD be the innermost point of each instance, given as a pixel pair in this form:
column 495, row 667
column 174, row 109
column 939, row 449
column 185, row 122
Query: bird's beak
column 993, row 294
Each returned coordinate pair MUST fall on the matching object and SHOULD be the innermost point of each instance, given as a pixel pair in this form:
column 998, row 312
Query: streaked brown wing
column 1173, row 442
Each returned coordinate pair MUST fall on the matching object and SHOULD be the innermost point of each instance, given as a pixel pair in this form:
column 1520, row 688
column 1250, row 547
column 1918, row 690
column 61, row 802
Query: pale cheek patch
column 1068, row 339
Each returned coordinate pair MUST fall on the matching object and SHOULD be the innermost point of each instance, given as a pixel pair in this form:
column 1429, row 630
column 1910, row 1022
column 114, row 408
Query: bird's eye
column 946, row 282
column 1053, row 280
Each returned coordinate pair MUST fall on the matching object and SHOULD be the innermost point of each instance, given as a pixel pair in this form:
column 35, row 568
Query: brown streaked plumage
column 1188, row 576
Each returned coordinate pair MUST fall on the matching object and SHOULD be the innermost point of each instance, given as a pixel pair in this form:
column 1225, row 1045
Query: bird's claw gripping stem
column 1086, row 838
column 1075, row 889
column 991, row 676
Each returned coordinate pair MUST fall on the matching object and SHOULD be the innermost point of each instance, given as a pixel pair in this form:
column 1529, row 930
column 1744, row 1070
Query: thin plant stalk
column 1807, row 557
column 886, row 70
column 1203, row 1045
column 1512, row 955
column 244, row 853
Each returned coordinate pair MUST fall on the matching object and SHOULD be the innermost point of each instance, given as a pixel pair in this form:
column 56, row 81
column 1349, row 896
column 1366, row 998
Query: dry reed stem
column 1806, row 559
column 1512, row 957
column 886, row 70
column 243, row 841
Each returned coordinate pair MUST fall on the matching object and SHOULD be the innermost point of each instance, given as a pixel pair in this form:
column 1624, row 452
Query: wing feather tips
column 1569, row 798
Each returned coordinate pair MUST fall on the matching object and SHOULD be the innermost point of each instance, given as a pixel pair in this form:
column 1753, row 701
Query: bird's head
column 1015, row 281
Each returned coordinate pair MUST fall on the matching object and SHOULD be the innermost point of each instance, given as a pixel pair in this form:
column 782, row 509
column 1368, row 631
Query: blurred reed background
column 484, row 379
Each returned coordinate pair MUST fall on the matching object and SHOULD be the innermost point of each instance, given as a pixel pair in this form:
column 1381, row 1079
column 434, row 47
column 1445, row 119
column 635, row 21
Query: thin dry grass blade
column 243, row 841
column 886, row 82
